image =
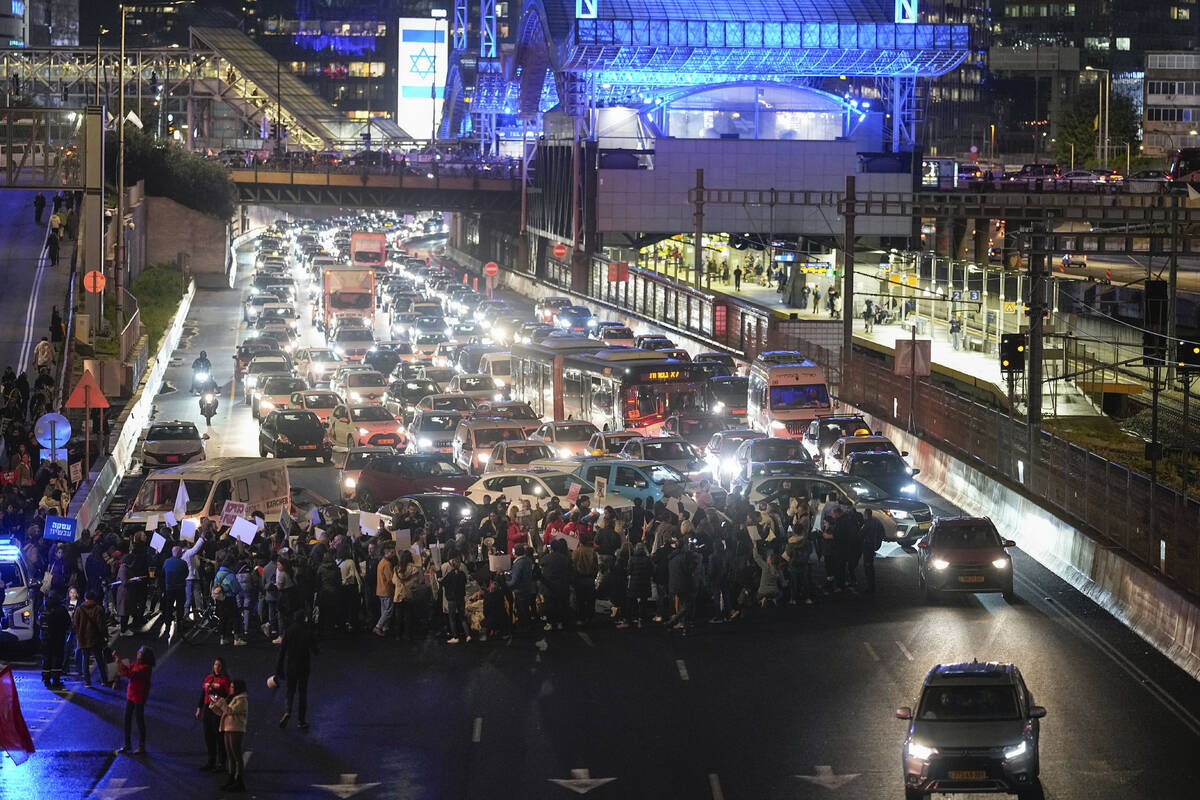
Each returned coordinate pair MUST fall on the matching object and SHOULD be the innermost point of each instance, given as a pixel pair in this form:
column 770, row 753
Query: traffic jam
column 366, row 348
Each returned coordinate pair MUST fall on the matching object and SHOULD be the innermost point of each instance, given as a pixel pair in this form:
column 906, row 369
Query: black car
column 384, row 356
column 445, row 512
column 695, row 428
column 725, row 396
column 885, row 469
column 402, row 396
column 577, row 319
column 290, row 433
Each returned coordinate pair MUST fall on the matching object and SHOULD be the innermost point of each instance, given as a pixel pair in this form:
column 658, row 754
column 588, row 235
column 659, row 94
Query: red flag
column 14, row 733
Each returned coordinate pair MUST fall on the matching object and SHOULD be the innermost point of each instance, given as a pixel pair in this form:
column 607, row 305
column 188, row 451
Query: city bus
column 783, row 398
column 614, row 388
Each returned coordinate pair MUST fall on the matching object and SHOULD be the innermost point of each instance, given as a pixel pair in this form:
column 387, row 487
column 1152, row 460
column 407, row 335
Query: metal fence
column 1156, row 525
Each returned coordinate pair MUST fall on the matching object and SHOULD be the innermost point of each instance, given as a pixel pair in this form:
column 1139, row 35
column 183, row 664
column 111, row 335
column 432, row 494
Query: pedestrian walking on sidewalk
column 737, row 279
column 216, row 687
column 956, row 332
column 52, row 249
column 55, row 623
column 39, row 207
column 57, row 331
column 91, row 633
column 43, row 355
column 136, row 696
column 869, row 316
column 233, row 729
column 295, row 665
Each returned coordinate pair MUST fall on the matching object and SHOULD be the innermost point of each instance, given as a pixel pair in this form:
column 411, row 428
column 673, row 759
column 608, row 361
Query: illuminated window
column 1122, row 42
column 1181, row 14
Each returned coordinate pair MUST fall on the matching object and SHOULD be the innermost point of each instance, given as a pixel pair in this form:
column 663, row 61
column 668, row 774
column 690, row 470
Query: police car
column 16, row 618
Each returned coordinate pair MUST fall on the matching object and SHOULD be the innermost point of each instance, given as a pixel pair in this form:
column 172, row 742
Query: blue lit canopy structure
column 576, row 54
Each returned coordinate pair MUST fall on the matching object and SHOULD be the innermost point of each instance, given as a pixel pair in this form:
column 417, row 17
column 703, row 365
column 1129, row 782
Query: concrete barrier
column 93, row 497
column 1143, row 601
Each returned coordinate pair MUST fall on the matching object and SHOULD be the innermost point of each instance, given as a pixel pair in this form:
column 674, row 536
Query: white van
column 262, row 484
column 474, row 440
column 499, row 366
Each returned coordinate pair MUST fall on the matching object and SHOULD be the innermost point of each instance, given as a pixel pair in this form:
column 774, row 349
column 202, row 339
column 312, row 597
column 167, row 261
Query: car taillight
column 283, row 439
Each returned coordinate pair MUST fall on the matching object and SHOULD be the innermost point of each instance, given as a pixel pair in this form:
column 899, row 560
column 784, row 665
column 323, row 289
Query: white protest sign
column 157, row 542
column 601, row 489
column 76, row 472
column 187, row 530
column 260, row 524
column 353, row 523
column 152, row 522
column 512, row 494
column 243, row 530
column 231, row 511
column 499, row 562
column 404, row 539
column 369, row 522
column 169, row 518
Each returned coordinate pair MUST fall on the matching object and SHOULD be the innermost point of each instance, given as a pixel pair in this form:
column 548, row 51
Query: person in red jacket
column 136, row 696
column 516, row 536
column 217, row 686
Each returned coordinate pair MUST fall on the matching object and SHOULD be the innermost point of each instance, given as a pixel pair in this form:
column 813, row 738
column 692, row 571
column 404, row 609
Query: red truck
column 368, row 250
column 348, row 291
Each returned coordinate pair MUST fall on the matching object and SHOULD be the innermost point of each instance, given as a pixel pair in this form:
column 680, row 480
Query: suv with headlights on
column 964, row 554
column 974, row 728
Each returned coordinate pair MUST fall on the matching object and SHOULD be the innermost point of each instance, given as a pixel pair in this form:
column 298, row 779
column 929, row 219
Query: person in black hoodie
column 55, row 623
column 454, row 584
column 329, row 593
column 556, row 583
column 295, row 665
column 637, row 526
column 641, row 575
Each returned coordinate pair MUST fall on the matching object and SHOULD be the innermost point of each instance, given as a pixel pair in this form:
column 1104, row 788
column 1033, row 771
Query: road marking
column 581, row 781
column 31, row 307
column 904, row 650
column 1156, row 691
column 348, row 786
column 714, row 785
column 682, row 667
column 477, row 730
column 586, row 638
column 871, row 651
column 823, row 776
column 116, row 788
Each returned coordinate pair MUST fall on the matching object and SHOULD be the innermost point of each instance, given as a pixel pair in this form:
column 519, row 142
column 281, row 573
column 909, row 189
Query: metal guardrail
column 133, row 328
column 1156, row 525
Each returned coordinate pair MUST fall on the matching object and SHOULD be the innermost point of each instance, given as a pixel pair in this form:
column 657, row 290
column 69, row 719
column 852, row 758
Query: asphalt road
column 793, row 702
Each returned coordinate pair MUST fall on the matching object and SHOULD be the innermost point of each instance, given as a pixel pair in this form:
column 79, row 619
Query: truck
column 368, row 249
column 347, row 290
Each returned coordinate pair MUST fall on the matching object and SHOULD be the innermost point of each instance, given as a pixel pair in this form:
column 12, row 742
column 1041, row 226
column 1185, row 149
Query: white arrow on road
column 581, row 781
column 348, row 786
column 824, row 777
column 116, row 788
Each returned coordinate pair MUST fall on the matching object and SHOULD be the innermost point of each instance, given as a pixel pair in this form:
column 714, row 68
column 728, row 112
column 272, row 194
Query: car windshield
column 274, row 365
column 966, row 536
column 299, row 420
column 320, row 400
column 830, row 432
column 574, row 433
column 284, row 385
column 159, row 494
column 172, row 433
column 353, row 335
column 427, row 467
column 471, row 384
column 807, row 395
column 439, row 375
column 705, row 426
column 357, row 460
column 969, row 703
column 371, row 414
column 501, row 366
column 432, row 338
column 730, row 391
column 489, row 436
column 661, row 473
column 413, row 391
column 438, row 422
column 668, row 451
column 882, row 464
column 370, row 379
column 613, row 444
column 525, row 454
column 10, row 575
column 777, row 450
column 561, row 484
column 865, row 447
column 323, row 355
column 863, row 490
column 517, row 411
column 453, row 404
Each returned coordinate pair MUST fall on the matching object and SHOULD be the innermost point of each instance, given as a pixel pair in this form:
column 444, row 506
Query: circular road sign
column 52, row 425
column 560, row 251
column 94, row 281
column 491, row 269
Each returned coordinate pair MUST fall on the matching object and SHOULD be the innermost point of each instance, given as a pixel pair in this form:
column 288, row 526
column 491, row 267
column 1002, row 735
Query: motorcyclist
column 208, row 405
column 201, row 365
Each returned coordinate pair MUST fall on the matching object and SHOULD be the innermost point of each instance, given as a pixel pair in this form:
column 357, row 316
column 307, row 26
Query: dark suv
column 974, row 729
column 964, row 554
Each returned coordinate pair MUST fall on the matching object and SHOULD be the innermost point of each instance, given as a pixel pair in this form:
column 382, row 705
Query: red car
column 386, row 477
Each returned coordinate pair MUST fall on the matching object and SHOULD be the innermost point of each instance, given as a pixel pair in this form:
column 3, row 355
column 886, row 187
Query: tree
column 171, row 171
column 1080, row 125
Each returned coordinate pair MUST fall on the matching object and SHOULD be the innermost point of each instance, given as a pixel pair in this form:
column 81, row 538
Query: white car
column 425, row 345
column 366, row 386
column 476, row 387
column 439, row 375
column 280, row 312
column 275, row 392
column 351, row 342
column 674, row 451
column 568, row 438
column 538, row 486
column 260, row 366
column 169, row 444
column 316, row 364
column 361, row 425
column 321, row 402
column 517, row 455
column 615, row 334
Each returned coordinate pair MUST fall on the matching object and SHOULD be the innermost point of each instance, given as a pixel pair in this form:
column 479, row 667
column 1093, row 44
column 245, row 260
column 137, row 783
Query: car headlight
column 564, row 453
column 899, row 513
column 591, row 323
column 266, row 405
column 341, row 351
column 484, row 457
column 921, row 751
column 939, row 563
column 909, row 489
column 1000, row 563
column 355, row 396
column 497, row 397
column 295, row 323
column 499, row 382
column 362, row 431
column 424, row 442
column 252, row 380
column 729, row 465
column 349, row 483
column 1016, row 752
column 719, row 407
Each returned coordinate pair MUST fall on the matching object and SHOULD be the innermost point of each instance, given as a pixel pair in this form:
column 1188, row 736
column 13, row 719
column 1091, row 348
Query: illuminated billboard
column 422, row 64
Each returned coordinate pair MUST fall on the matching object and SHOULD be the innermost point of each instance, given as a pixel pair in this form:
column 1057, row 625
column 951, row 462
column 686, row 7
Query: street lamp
column 119, row 259
column 437, row 14
column 1104, row 109
column 99, row 35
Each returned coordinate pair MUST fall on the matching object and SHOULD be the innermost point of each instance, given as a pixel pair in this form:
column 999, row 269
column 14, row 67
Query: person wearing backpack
column 225, row 590
column 351, row 580
column 250, row 584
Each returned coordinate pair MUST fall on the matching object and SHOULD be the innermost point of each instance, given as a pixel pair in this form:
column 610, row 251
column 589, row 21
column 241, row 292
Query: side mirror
column 204, row 437
column 1009, row 543
column 1037, row 712
column 903, row 453
column 879, row 433
column 903, row 712
column 915, row 472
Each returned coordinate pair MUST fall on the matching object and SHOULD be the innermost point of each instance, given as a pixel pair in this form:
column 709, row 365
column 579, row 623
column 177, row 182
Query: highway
column 793, row 702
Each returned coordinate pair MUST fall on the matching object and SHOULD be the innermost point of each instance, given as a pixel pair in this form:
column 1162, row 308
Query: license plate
column 385, row 439
column 172, row 459
column 968, row 774
column 970, row 579
column 308, row 447
column 924, row 526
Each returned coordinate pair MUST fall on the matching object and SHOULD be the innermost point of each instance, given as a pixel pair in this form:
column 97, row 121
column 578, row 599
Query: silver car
column 170, row 444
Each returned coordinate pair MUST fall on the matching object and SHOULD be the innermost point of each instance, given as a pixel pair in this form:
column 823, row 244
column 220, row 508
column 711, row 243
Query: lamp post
column 437, row 14
column 99, row 35
column 119, row 259
column 1104, row 109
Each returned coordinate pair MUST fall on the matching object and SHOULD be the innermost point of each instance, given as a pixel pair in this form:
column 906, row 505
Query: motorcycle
column 208, row 406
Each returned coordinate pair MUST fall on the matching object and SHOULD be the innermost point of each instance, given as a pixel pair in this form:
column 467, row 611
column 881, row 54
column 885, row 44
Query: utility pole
column 698, row 250
column 1037, row 307
column 848, row 273
column 278, row 107
column 119, row 266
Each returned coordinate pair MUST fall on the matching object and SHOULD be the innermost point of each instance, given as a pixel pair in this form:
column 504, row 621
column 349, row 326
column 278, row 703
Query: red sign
column 560, row 251
column 618, row 271
column 94, row 281
column 491, row 269
column 86, row 393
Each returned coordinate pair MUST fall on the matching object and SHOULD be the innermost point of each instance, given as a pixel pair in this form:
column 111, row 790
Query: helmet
column 204, row 354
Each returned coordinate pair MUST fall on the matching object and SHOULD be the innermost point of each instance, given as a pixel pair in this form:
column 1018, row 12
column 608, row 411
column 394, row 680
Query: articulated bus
column 784, row 398
column 615, row 388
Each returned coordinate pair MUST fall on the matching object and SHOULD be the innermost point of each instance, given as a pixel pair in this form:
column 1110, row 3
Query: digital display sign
column 663, row 375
